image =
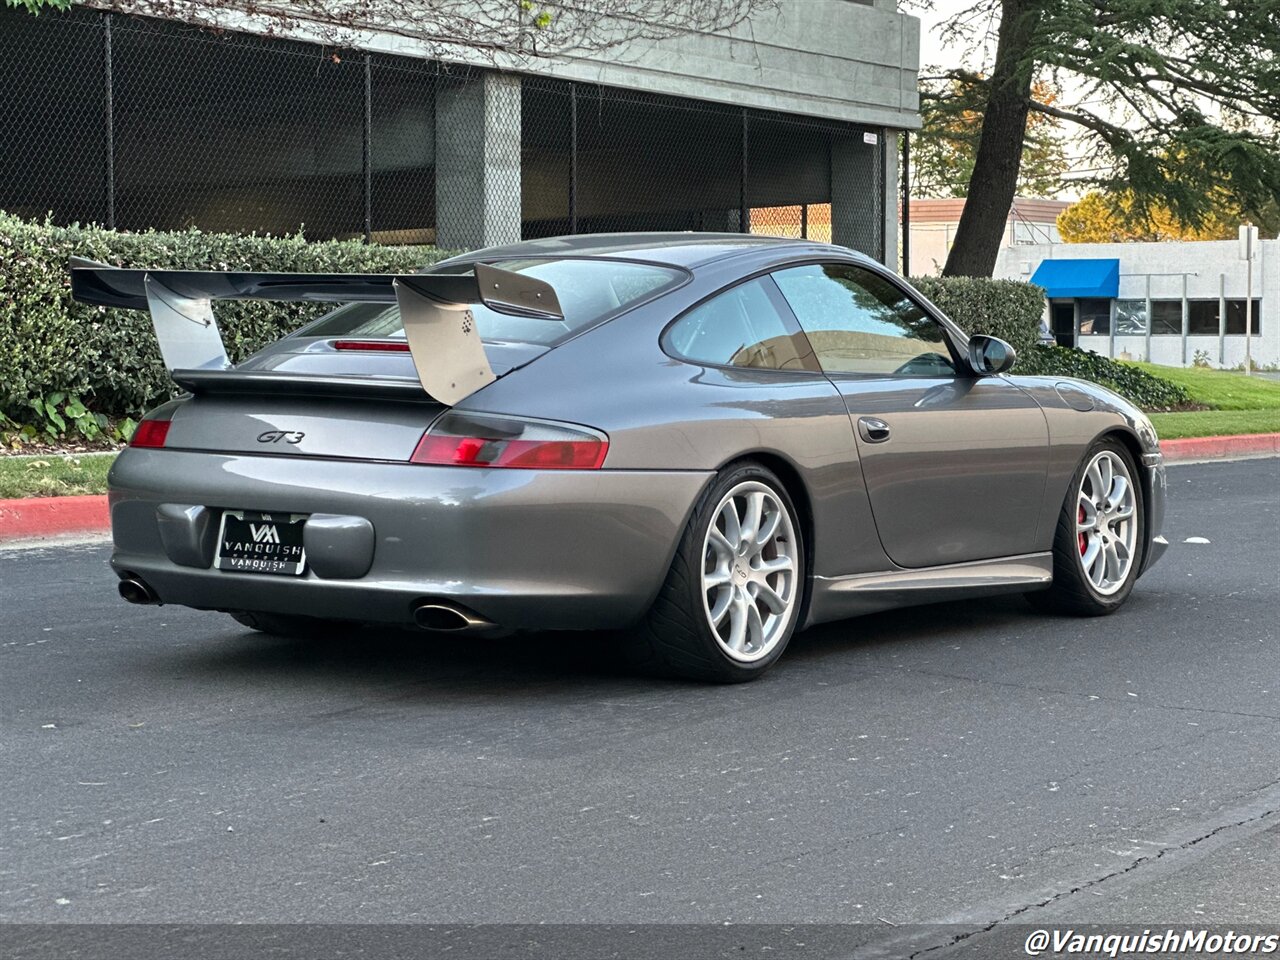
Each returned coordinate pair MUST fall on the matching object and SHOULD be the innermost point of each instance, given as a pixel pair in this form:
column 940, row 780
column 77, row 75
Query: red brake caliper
column 1080, row 536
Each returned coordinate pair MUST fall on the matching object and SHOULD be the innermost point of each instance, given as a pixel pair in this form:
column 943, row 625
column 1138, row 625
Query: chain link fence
column 137, row 123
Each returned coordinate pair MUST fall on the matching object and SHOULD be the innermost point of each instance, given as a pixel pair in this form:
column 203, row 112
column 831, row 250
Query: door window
column 860, row 322
column 744, row 326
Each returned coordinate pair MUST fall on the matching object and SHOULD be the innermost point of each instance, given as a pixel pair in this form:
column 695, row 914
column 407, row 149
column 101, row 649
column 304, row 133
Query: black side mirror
column 990, row 355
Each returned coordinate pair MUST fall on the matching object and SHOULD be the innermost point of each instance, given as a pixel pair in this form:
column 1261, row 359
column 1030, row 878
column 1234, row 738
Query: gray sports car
column 702, row 442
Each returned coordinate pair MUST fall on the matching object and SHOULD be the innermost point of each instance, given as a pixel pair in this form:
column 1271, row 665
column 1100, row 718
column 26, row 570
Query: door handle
column 873, row 429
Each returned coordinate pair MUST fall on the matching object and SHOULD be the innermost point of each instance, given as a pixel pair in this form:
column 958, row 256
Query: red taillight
column 150, row 433
column 383, row 346
column 463, row 441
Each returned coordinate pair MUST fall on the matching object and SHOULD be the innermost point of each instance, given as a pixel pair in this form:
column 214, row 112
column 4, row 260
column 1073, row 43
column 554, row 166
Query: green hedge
column 1008, row 309
column 54, row 348
column 1133, row 383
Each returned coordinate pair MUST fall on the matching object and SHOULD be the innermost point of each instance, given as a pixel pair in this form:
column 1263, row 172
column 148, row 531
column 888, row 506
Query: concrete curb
column 1220, row 448
column 38, row 517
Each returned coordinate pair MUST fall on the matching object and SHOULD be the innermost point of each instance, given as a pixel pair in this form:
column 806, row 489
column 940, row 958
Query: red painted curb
column 1215, row 448
column 49, row 516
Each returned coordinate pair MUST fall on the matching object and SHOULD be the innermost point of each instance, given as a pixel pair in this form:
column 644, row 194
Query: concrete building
column 1169, row 303
column 786, row 124
column 932, row 228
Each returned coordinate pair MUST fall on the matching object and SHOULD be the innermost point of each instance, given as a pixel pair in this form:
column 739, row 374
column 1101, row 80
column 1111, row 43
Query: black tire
column 1072, row 591
column 285, row 625
column 675, row 638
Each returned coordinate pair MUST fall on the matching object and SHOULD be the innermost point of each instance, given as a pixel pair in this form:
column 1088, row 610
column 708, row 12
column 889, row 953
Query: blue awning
column 1078, row 278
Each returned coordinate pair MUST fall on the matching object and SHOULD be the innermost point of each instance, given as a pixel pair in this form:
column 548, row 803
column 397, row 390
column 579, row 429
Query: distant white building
column 1169, row 302
column 932, row 229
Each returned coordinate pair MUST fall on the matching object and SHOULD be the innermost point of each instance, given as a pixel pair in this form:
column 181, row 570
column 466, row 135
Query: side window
column 741, row 327
column 860, row 322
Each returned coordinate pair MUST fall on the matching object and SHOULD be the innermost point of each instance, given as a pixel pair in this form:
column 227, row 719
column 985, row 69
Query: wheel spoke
column 755, row 627
column 751, row 519
column 1113, row 572
column 732, row 525
column 776, row 565
column 768, row 528
column 1090, row 513
column 772, row 599
column 721, row 545
column 1106, row 471
column 1091, row 551
column 1095, row 484
column 716, row 578
column 1119, row 493
column 737, row 621
column 724, row 600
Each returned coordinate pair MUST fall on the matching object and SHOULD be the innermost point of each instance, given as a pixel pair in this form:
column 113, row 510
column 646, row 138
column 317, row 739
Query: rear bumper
column 523, row 548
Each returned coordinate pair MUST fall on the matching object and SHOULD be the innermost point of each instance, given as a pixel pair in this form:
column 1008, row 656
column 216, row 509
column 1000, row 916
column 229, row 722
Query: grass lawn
column 54, row 476
column 1212, row 423
column 1239, row 404
column 1221, row 389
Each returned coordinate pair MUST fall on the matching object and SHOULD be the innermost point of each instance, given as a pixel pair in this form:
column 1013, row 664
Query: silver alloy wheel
column 1106, row 522
column 750, row 571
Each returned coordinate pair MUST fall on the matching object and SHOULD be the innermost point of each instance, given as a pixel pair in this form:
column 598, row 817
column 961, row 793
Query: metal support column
column 110, row 122
column 1222, row 319
column 1186, row 320
column 573, row 158
column 1146, row 347
column 744, row 214
column 905, row 216
column 367, row 152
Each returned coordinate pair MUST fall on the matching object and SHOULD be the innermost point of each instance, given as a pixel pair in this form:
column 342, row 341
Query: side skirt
column 837, row 597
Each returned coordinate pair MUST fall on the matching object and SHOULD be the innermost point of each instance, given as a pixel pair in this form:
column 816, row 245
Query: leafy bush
column 68, row 367
column 1136, row 385
column 1008, row 309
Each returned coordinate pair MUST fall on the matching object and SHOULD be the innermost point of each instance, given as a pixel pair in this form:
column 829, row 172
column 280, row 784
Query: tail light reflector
column 150, row 433
column 461, row 440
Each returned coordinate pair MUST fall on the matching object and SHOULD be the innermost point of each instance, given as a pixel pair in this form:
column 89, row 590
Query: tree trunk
column 999, row 157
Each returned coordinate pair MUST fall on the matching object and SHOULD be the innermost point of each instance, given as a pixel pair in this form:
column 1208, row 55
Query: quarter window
column 860, row 322
column 744, row 326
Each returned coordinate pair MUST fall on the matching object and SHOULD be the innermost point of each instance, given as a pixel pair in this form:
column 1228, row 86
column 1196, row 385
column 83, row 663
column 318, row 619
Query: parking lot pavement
column 963, row 763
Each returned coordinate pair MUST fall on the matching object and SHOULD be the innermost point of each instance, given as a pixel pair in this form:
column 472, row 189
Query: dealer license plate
column 250, row 542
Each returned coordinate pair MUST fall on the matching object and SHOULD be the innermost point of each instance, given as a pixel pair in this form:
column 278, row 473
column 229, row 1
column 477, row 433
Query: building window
column 1166, row 317
column 1202, row 317
column 1095, row 317
column 1131, row 317
column 1235, row 317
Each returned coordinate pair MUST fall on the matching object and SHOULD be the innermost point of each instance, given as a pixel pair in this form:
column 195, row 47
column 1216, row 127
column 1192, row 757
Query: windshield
column 589, row 291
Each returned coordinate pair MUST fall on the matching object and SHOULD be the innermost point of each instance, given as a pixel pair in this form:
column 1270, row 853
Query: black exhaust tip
column 136, row 591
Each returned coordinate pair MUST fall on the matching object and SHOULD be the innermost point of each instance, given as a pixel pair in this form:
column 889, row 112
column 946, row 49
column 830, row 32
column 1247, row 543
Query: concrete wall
column 1210, row 267
column 850, row 60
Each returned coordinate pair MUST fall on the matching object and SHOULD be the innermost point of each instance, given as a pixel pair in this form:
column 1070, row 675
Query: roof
column 949, row 209
column 676, row 249
column 1078, row 278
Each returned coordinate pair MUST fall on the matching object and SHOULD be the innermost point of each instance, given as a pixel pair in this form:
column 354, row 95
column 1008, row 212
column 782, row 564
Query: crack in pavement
column 1107, row 877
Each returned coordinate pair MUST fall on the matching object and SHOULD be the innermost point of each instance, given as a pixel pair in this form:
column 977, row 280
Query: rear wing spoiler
column 434, row 307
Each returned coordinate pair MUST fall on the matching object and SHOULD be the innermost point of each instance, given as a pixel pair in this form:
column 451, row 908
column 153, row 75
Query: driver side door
column 954, row 464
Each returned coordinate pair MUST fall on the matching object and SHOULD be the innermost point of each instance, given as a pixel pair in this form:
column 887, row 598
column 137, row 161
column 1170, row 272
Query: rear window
column 589, row 290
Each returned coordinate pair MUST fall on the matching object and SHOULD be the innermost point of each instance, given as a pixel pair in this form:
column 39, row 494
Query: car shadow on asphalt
column 540, row 663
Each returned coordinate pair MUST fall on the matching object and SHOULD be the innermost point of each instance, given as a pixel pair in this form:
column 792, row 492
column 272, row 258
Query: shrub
column 1008, row 309
column 1136, row 385
column 67, row 366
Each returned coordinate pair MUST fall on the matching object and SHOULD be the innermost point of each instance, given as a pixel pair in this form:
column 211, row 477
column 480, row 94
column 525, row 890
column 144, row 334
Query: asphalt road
column 967, row 764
